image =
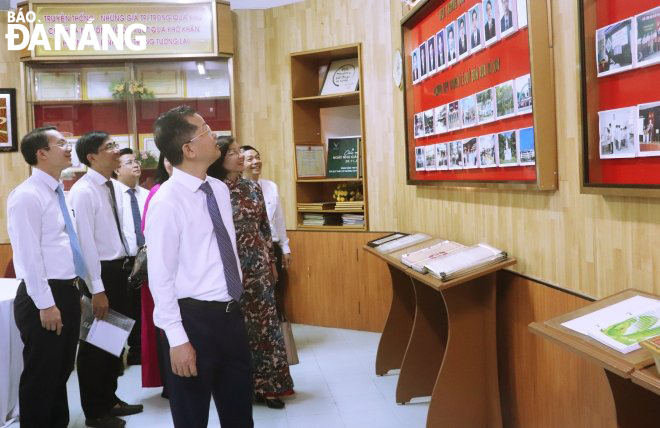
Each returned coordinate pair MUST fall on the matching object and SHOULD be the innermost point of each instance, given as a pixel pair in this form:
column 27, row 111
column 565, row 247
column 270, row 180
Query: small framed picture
column 454, row 119
column 469, row 110
column 422, row 61
column 440, row 49
column 8, row 128
column 523, row 85
column 452, row 57
column 418, row 125
column 486, row 106
column 456, row 154
column 415, row 66
column 475, row 15
column 430, row 158
column 522, row 13
column 504, row 100
column 491, row 26
column 488, row 151
column 617, row 130
column 441, row 156
column 148, row 151
column 526, row 152
column 614, row 50
column 420, row 163
column 470, row 153
column 463, row 46
column 428, row 123
column 507, row 148
column 648, row 129
column 440, row 119
column 432, row 57
column 508, row 15
column 343, row 75
column 647, row 36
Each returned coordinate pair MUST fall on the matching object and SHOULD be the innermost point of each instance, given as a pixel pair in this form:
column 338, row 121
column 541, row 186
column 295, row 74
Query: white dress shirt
column 275, row 214
column 184, row 259
column 97, row 230
column 41, row 246
column 126, row 212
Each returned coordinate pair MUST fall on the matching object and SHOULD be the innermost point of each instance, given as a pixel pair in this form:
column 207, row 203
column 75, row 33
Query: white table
column 11, row 348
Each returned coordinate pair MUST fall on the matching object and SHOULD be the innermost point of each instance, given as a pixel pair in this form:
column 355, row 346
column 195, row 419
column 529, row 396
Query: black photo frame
column 8, row 127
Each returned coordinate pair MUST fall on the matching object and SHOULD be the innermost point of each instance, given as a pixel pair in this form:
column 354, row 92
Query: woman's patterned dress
column 255, row 251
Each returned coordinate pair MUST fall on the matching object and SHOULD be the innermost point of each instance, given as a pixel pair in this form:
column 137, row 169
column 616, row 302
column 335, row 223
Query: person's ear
column 188, row 151
column 91, row 157
column 42, row 154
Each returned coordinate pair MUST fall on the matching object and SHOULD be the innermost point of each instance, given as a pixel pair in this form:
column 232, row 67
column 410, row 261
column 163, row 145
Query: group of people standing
column 216, row 246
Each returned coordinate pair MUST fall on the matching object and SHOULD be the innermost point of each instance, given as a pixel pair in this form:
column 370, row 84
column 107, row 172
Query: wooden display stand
column 442, row 337
column 635, row 406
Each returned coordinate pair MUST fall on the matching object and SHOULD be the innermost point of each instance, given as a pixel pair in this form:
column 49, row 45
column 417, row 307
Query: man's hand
column 286, row 261
column 100, row 305
column 51, row 319
column 184, row 360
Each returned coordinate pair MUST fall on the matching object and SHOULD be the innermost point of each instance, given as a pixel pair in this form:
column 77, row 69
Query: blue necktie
column 137, row 219
column 233, row 278
column 78, row 261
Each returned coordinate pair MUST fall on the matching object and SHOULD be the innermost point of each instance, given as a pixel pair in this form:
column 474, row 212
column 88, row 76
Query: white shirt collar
column 188, row 181
column 123, row 188
column 45, row 178
column 96, row 177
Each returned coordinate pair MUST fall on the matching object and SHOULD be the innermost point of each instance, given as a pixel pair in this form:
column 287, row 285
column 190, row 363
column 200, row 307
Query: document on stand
column 109, row 334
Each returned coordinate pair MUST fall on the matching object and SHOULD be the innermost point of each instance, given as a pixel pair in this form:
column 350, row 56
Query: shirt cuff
column 176, row 335
column 97, row 286
column 43, row 300
column 285, row 247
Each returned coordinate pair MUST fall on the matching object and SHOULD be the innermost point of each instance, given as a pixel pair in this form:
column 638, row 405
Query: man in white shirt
column 47, row 304
column 106, row 258
column 195, row 279
column 130, row 205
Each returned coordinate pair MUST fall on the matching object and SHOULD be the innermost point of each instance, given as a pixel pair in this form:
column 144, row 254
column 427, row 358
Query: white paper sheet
column 107, row 337
column 587, row 323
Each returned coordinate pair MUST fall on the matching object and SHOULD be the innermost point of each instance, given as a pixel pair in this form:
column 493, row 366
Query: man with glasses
column 106, row 257
column 130, row 206
column 48, row 260
column 195, row 279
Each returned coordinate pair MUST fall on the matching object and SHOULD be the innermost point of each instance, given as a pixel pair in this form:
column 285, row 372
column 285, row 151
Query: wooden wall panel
column 332, row 282
column 541, row 384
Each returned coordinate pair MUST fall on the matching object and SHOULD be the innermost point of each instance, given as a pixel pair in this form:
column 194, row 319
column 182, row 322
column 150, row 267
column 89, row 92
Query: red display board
column 621, row 93
column 485, row 143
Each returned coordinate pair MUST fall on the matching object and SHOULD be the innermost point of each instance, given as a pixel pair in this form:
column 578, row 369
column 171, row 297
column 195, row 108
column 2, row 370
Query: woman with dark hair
column 152, row 349
column 255, row 251
column 252, row 171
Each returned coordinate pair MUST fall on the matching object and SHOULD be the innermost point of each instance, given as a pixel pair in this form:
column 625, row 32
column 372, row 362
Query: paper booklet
column 109, row 334
column 625, row 334
column 418, row 259
column 402, row 242
column 464, row 260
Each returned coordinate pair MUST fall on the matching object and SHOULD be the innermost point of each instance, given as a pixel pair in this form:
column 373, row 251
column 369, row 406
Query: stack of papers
column 349, row 206
column 403, row 242
column 313, row 220
column 352, row 219
column 315, row 206
column 418, row 259
column 463, row 261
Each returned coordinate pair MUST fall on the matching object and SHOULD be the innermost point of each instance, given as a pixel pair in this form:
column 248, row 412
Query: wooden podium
column 442, row 336
column 633, row 379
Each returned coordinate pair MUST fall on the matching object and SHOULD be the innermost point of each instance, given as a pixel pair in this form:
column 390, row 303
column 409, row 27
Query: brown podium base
column 636, row 407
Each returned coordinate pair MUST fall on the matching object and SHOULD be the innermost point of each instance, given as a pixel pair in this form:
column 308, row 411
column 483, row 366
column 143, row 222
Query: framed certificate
column 166, row 83
column 56, row 85
column 98, row 83
column 343, row 76
column 310, row 161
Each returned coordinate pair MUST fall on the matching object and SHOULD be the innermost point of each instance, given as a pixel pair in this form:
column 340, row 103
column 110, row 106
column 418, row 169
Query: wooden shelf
column 332, row 211
column 334, row 100
column 328, row 180
column 324, row 228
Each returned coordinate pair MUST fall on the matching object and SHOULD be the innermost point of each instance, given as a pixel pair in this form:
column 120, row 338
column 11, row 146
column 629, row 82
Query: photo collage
column 485, row 23
column 628, row 44
column 630, row 131
column 502, row 149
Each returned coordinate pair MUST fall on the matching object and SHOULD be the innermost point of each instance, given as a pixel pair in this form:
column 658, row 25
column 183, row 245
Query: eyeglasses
column 111, row 146
column 132, row 162
column 206, row 131
column 64, row 144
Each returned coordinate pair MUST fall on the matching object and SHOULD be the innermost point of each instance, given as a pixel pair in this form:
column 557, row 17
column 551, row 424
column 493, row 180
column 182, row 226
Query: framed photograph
column 420, row 163
column 648, row 129
column 647, row 36
column 148, row 151
column 76, row 165
column 523, row 85
column 57, row 85
column 508, row 12
column 124, row 141
column 522, row 13
column 415, row 66
column 440, row 49
column 343, row 75
column 614, row 48
column 486, row 106
column 215, row 83
column 456, row 155
column 617, row 133
column 419, row 125
column 428, row 123
column 504, row 100
column 441, row 156
column 452, row 57
column 463, row 46
column 469, row 111
column 527, row 152
column 8, row 128
column 491, row 19
column 470, row 153
column 432, row 57
column 454, row 119
column 164, row 81
column 430, row 163
column 310, row 161
column 507, row 148
column 422, row 61
column 99, row 82
column 440, row 119
column 476, row 28
column 488, row 151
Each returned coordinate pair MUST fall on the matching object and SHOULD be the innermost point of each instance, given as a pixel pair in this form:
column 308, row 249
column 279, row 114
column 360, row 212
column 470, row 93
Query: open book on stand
column 417, row 260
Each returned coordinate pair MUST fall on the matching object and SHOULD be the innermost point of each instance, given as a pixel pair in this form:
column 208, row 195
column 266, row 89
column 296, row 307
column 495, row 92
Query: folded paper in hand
column 109, row 334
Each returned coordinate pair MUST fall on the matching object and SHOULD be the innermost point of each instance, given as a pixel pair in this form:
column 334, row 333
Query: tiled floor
column 335, row 387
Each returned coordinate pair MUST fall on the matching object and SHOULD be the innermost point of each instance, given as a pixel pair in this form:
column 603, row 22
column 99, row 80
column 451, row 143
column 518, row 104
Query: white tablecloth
column 11, row 348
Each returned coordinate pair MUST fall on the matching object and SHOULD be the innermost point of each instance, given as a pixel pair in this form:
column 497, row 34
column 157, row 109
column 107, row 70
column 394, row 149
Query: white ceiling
column 259, row 4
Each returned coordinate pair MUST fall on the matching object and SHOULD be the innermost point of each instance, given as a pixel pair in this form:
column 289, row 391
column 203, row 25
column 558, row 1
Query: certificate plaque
column 310, row 161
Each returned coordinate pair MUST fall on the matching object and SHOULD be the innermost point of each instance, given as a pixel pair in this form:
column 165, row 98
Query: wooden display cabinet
column 316, row 117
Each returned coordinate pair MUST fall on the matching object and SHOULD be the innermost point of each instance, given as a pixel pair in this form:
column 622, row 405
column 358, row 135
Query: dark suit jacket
column 490, row 29
column 476, row 39
column 462, row 45
column 510, row 16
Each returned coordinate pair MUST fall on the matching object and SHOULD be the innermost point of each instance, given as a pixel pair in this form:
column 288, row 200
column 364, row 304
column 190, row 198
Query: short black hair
column 89, row 144
column 126, row 151
column 246, row 148
column 161, row 172
column 172, row 131
column 33, row 141
column 474, row 12
column 217, row 170
column 451, row 30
